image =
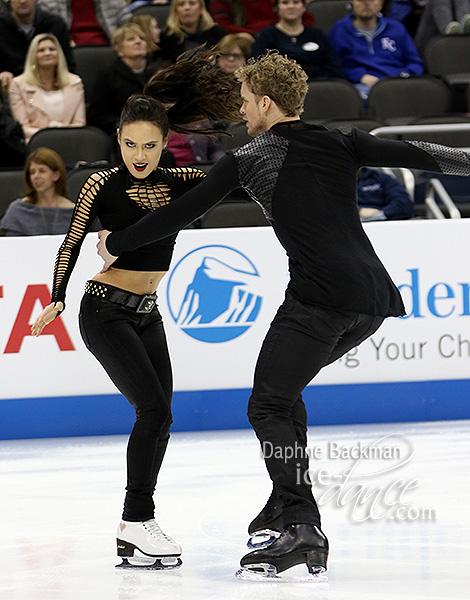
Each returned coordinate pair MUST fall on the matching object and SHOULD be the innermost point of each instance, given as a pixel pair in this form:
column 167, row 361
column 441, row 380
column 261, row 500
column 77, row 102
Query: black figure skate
column 299, row 544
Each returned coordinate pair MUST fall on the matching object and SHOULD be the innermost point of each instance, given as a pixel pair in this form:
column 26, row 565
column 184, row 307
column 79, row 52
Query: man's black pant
column 132, row 349
column 302, row 340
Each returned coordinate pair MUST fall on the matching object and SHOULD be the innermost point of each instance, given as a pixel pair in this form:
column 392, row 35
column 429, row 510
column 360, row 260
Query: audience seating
column 238, row 136
column 448, row 55
column 400, row 100
column 327, row 12
column 74, row 144
column 90, row 60
column 77, row 178
column 332, row 99
column 11, row 187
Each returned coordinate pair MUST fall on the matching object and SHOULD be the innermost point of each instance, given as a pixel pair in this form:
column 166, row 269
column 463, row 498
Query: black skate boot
column 299, row 543
column 268, row 525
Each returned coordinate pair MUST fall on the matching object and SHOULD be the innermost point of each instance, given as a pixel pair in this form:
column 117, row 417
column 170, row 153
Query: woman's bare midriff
column 137, row 282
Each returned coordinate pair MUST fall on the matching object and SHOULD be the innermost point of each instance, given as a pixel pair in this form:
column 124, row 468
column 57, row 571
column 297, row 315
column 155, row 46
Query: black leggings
column 302, row 340
column 132, row 349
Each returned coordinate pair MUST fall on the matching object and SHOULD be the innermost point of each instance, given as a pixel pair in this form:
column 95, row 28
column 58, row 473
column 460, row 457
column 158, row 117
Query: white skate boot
column 144, row 545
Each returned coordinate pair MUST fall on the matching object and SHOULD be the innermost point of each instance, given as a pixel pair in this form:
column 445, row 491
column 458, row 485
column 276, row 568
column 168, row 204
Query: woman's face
column 47, row 55
column 188, row 12
column 290, row 10
column 231, row 60
column 42, row 177
column 132, row 46
column 155, row 31
column 141, row 146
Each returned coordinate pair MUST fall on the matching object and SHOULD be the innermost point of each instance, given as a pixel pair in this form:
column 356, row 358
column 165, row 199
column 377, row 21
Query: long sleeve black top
column 305, row 179
column 118, row 200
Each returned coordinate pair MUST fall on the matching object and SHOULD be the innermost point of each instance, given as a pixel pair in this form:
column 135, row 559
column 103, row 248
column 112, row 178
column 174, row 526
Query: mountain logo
column 211, row 294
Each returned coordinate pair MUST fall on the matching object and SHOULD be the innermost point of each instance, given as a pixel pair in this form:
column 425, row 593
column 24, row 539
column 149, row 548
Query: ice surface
column 61, row 499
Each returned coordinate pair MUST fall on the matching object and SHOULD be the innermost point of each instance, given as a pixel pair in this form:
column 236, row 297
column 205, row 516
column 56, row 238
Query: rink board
column 217, row 301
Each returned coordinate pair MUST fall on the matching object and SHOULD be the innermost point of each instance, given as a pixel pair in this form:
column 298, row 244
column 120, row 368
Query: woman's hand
column 47, row 316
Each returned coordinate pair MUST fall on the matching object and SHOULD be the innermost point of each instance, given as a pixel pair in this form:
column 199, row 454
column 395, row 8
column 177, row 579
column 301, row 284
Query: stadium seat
column 74, row 144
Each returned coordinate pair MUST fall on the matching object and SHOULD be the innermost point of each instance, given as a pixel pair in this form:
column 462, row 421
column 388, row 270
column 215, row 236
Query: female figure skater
column 119, row 318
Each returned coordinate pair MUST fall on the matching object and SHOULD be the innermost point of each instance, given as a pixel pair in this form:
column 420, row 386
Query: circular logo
column 211, row 294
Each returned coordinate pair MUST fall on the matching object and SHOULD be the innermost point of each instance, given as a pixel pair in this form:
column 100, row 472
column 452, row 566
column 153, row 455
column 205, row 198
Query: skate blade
column 262, row 539
column 267, row 572
column 151, row 563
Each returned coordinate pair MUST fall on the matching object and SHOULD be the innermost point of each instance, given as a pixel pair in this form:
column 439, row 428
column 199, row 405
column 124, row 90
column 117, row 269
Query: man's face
column 252, row 112
column 366, row 9
column 22, row 8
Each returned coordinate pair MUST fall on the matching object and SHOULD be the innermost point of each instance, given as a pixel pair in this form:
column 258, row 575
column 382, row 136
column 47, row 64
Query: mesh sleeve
column 82, row 219
column 451, row 161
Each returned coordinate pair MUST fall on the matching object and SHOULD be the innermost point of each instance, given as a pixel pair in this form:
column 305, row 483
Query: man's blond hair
column 278, row 77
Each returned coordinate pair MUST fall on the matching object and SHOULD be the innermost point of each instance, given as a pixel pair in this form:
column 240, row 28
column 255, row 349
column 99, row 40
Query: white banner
column 218, row 299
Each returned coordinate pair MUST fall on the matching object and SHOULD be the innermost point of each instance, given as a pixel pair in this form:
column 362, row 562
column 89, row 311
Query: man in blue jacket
column 372, row 46
column 381, row 197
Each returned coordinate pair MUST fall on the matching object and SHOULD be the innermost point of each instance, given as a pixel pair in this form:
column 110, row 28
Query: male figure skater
column 339, row 293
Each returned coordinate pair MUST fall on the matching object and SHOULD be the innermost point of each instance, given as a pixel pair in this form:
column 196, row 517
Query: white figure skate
column 144, row 545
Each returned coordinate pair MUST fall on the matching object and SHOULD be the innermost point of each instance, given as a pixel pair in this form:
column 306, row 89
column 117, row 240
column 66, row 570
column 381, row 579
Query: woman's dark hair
column 145, row 108
column 195, row 89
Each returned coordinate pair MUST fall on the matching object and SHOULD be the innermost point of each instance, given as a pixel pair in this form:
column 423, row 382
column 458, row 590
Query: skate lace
column 155, row 531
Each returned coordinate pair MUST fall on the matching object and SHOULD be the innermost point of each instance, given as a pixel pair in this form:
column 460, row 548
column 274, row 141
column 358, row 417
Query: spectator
column 372, row 46
column 44, row 210
column 125, row 77
column 408, row 12
column 91, row 22
column 188, row 25
column 47, row 94
column 442, row 17
column 188, row 150
column 381, row 197
column 309, row 46
column 20, row 21
column 149, row 26
column 233, row 51
column 12, row 146
column 248, row 16
column 152, row 31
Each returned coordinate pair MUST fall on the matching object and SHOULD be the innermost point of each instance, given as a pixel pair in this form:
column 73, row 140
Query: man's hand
column 369, row 79
column 105, row 255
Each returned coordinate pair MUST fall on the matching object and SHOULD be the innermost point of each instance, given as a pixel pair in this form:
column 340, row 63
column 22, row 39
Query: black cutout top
column 118, row 201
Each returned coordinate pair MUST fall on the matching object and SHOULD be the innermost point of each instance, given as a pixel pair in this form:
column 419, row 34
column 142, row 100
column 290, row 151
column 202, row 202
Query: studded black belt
column 140, row 303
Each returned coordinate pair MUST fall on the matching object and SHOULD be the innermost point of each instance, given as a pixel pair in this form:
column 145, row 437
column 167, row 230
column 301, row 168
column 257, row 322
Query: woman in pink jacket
column 46, row 94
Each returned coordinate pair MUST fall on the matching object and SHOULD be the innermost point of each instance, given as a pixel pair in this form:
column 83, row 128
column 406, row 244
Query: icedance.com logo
column 368, row 480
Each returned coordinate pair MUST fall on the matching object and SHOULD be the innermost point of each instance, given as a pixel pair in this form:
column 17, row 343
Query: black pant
column 133, row 351
column 301, row 340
